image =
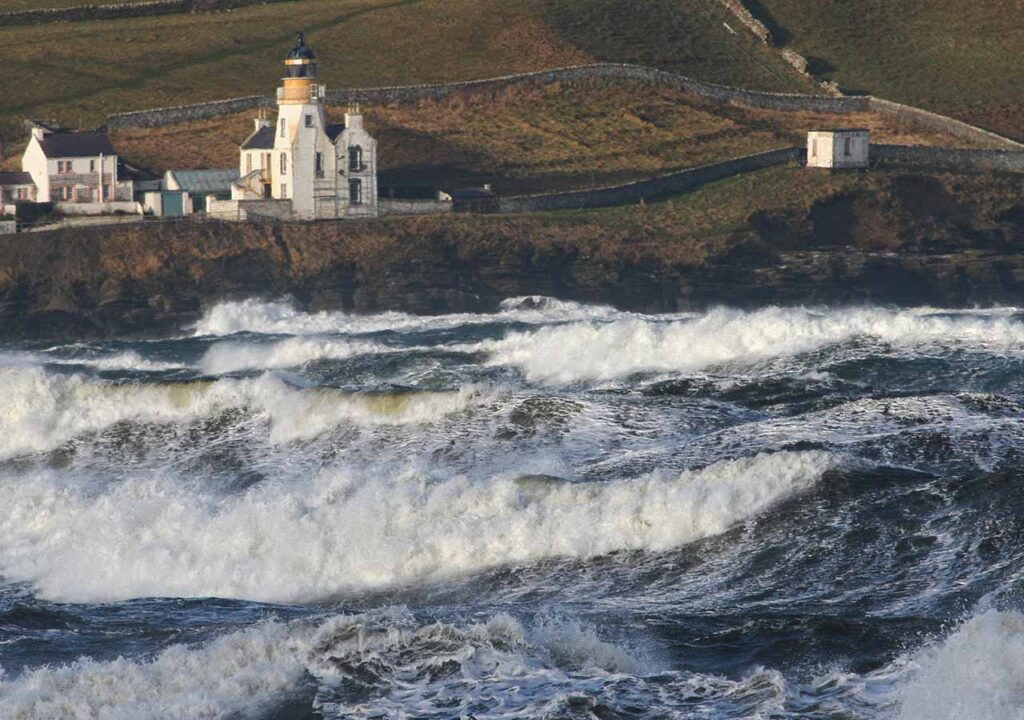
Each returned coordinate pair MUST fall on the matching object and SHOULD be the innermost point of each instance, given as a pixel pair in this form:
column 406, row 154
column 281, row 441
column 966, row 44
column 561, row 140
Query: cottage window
column 92, row 166
column 284, row 163
column 65, row 192
column 814, row 147
column 355, row 192
column 284, row 191
column 319, row 165
column 846, row 147
column 284, row 127
column 309, row 121
column 22, row 194
column 355, row 158
column 248, row 163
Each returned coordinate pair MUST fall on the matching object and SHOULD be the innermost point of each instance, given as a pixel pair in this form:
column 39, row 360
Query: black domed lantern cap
column 301, row 60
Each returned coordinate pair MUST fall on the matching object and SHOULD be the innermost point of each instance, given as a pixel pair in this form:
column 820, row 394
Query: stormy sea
column 552, row 511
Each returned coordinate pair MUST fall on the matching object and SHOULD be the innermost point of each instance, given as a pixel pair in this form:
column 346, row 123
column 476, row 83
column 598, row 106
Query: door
column 173, row 204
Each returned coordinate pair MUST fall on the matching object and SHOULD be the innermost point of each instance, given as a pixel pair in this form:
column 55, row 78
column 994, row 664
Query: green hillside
column 958, row 58
column 79, row 72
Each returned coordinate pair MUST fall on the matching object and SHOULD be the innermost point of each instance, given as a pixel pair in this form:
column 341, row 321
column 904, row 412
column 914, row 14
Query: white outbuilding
column 847, row 148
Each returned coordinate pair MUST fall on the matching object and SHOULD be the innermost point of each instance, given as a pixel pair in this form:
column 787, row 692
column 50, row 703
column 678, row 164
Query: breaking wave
column 606, row 351
column 342, row 529
column 977, row 672
column 283, row 318
column 361, row 662
column 43, row 410
column 227, row 357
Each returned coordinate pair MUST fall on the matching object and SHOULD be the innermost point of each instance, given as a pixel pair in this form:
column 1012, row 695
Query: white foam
column 282, row 318
column 346, row 529
column 42, row 410
column 239, row 672
column 242, row 673
column 227, row 357
column 975, row 674
column 605, row 351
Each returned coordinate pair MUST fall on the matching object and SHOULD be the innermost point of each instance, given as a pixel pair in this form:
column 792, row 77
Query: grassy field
column 953, row 57
column 529, row 138
column 78, row 73
column 9, row 5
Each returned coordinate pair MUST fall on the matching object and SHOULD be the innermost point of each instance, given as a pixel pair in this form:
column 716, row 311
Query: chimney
column 354, row 117
column 39, row 132
column 261, row 123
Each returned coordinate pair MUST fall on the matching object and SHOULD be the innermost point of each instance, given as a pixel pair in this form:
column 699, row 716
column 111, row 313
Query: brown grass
column 527, row 138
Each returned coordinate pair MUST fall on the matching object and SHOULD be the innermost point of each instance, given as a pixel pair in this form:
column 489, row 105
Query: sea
column 554, row 510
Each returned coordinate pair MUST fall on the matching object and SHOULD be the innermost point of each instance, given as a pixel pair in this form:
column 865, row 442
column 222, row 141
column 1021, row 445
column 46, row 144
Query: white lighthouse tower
column 325, row 171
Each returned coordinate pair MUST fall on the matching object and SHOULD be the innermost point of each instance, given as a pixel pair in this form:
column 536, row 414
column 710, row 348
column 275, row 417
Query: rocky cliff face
column 910, row 245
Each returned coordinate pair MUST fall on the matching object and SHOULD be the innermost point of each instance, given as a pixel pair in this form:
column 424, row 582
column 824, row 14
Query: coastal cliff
column 777, row 237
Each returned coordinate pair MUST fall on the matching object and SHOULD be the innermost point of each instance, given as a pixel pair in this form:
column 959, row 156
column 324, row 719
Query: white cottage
column 846, row 148
column 312, row 168
column 78, row 171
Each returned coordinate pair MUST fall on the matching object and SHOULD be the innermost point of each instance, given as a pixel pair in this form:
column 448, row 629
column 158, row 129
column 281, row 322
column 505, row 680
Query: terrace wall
column 707, row 91
column 119, row 10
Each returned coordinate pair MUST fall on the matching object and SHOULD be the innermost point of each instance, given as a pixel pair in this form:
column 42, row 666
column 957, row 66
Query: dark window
column 846, row 147
column 284, row 191
column 355, row 192
column 284, row 163
column 92, row 166
column 355, row 158
column 284, row 126
column 814, row 148
column 309, row 121
column 319, row 165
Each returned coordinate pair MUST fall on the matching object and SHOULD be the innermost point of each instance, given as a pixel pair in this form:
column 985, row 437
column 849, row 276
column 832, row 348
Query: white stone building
column 838, row 148
column 299, row 166
column 77, row 171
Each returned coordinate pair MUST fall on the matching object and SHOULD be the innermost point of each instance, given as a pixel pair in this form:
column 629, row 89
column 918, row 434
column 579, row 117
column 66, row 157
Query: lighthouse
column 322, row 170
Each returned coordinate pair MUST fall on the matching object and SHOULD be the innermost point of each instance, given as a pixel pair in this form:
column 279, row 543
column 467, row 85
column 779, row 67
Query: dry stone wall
column 708, row 91
column 119, row 10
column 644, row 190
column 948, row 158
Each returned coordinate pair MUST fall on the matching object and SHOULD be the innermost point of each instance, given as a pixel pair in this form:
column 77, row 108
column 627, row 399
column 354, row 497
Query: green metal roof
column 205, row 181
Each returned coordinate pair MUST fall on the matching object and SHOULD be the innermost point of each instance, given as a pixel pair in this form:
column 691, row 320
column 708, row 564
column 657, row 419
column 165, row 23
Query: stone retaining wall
column 708, row 91
column 948, row 158
column 644, row 190
column 120, row 10
column 392, row 206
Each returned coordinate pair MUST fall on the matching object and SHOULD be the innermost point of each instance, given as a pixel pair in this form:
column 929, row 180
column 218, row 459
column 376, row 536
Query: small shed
column 199, row 184
column 472, row 200
column 845, row 148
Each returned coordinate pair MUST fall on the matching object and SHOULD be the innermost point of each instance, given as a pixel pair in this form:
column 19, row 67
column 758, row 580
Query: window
column 284, row 190
column 64, row 166
column 22, row 194
column 309, row 121
column 846, row 147
column 319, row 165
column 355, row 192
column 284, row 163
column 248, row 163
column 814, row 147
column 284, row 127
column 92, row 166
column 65, row 192
column 355, row 158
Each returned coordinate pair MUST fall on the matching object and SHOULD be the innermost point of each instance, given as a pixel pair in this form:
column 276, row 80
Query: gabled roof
column 76, row 144
column 130, row 172
column 15, row 178
column 205, row 181
column 334, row 130
column 262, row 139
